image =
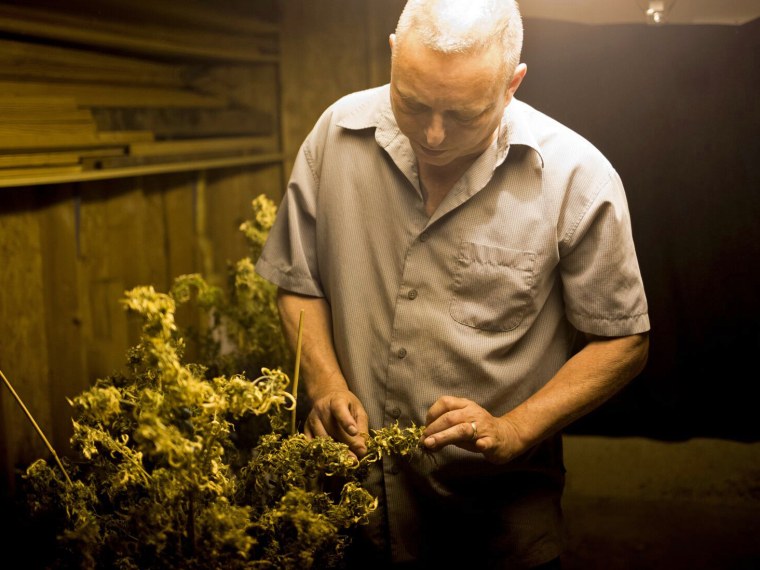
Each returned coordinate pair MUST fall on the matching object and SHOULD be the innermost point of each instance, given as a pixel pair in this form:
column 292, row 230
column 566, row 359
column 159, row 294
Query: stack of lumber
column 116, row 88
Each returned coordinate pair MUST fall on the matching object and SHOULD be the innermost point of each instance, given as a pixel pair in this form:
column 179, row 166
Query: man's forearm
column 319, row 364
column 587, row 380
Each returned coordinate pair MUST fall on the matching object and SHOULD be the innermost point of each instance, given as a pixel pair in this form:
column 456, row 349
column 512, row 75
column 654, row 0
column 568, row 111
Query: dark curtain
column 675, row 109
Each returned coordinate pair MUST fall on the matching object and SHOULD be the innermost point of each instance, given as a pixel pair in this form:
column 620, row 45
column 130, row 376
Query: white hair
column 465, row 26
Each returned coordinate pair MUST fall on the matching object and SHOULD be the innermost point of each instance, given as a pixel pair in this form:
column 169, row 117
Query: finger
column 443, row 405
column 345, row 419
column 362, row 420
column 446, row 421
column 314, row 427
column 460, row 433
column 358, row 443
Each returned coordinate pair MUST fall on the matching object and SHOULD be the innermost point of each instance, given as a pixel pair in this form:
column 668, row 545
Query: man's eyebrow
column 472, row 111
column 459, row 111
column 402, row 94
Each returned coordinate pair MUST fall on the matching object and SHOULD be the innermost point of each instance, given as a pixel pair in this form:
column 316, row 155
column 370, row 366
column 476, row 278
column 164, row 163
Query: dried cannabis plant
column 161, row 477
column 244, row 332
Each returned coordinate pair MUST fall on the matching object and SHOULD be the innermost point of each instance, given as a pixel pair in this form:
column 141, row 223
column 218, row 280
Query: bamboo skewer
column 36, row 427
column 295, row 374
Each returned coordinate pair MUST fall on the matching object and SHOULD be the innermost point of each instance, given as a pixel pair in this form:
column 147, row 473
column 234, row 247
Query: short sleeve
column 602, row 285
column 289, row 257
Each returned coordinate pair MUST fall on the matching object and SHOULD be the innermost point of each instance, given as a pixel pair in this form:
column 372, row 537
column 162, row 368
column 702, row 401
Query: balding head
column 465, row 26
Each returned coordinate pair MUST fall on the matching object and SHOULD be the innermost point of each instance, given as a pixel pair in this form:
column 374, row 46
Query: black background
column 675, row 109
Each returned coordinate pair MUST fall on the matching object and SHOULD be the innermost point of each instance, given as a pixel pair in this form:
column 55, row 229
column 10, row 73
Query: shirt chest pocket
column 493, row 286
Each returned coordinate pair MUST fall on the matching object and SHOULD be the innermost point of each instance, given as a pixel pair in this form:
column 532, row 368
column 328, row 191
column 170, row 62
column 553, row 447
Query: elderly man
column 448, row 243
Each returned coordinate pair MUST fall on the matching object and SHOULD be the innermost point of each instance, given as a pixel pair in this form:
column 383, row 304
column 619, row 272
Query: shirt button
column 401, row 353
column 395, row 413
column 394, row 469
column 424, row 236
column 412, row 294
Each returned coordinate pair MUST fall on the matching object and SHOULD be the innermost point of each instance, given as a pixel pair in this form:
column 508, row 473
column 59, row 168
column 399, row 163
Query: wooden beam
column 10, row 103
column 75, row 156
column 64, row 141
column 187, row 123
column 84, row 176
column 46, row 128
column 145, row 38
column 104, row 95
column 199, row 146
column 10, row 173
column 38, row 159
column 42, row 62
column 45, row 116
column 191, row 13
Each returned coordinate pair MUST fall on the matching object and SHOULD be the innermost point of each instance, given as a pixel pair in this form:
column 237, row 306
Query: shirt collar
column 515, row 130
column 370, row 112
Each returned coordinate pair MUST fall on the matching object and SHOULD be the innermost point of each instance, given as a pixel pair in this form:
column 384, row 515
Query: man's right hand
column 336, row 411
column 340, row 415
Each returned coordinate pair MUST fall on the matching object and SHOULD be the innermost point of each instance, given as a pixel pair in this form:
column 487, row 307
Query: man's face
column 448, row 105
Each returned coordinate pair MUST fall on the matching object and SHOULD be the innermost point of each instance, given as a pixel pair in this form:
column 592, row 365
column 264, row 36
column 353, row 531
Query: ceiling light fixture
column 657, row 11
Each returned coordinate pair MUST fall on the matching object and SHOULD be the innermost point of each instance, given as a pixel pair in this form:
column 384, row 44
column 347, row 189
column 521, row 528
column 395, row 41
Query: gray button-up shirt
column 480, row 300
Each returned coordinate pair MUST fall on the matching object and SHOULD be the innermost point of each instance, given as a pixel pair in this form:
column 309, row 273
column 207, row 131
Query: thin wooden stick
column 295, row 374
column 37, row 427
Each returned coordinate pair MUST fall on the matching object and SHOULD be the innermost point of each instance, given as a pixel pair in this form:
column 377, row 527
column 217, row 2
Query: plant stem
column 37, row 427
column 295, row 374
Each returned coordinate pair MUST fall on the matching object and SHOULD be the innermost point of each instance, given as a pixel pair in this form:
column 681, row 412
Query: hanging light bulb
column 656, row 12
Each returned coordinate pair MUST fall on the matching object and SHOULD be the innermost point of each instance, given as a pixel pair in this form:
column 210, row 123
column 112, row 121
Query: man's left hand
column 462, row 422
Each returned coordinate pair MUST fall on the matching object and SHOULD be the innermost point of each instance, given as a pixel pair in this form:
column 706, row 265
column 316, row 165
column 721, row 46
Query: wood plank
column 101, row 151
column 192, row 13
column 10, row 103
column 40, row 170
column 187, row 123
column 313, row 78
column 46, row 128
column 104, row 327
column 200, row 146
column 64, row 141
column 147, row 38
column 116, row 173
column 47, row 116
column 120, row 162
column 178, row 194
column 57, row 208
column 23, row 348
column 95, row 95
column 244, row 86
column 228, row 196
column 38, row 61
column 58, row 158
column 38, row 159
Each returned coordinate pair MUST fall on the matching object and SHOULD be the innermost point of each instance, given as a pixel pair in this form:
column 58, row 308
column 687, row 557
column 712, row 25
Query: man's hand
column 339, row 414
column 588, row 379
column 336, row 412
column 462, row 422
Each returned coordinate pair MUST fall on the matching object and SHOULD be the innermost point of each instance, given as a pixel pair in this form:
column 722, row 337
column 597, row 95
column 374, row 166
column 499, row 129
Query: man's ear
column 517, row 78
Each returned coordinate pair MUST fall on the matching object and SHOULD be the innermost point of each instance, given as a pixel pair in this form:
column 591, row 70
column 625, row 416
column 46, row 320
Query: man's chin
column 434, row 157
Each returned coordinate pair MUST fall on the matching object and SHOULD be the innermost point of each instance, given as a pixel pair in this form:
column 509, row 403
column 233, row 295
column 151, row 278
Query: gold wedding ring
column 474, row 430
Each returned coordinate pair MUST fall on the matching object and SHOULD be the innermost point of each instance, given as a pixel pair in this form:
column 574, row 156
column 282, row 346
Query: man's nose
column 435, row 131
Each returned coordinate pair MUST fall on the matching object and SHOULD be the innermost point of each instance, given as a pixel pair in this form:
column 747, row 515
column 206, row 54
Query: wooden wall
column 330, row 48
column 133, row 137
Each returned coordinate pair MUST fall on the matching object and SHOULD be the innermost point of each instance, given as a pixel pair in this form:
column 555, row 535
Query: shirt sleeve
column 289, row 257
column 603, row 289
